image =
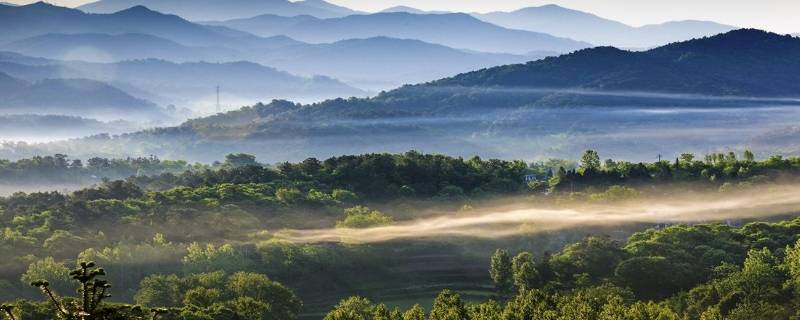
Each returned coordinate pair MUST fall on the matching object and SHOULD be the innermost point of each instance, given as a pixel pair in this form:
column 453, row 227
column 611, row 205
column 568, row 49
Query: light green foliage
column 792, row 263
column 251, row 296
column 501, row 272
column 396, row 314
column 381, row 312
column 159, row 291
column 415, row 313
column 92, row 291
column 597, row 257
column 590, row 161
column 212, row 258
column 679, row 257
column 283, row 304
column 202, row 297
column 344, row 196
column 289, row 195
column 250, row 308
column 318, row 196
column 616, row 193
column 48, row 269
column 353, row 308
column 62, row 241
column 617, row 309
column 363, row 217
column 753, row 292
column 531, row 304
column 697, row 268
column 525, row 274
column 489, row 310
column 448, row 306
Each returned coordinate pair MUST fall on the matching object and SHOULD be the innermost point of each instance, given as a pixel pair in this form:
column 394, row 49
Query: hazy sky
column 775, row 15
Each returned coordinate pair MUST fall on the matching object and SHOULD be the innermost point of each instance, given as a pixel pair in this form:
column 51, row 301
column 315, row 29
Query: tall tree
column 525, row 274
column 448, row 306
column 590, row 161
column 501, row 272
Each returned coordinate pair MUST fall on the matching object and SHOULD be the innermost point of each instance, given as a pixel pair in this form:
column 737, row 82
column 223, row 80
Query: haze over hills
column 203, row 10
column 94, row 47
column 76, row 97
column 380, row 63
column 375, row 63
column 557, row 106
column 262, row 25
column 406, row 9
column 454, row 30
column 299, row 160
column 411, row 10
column 34, row 128
column 40, row 18
column 578, row 25
column 185, row 84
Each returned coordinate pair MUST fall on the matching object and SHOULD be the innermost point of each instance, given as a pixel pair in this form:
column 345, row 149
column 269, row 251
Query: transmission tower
column 219, row 109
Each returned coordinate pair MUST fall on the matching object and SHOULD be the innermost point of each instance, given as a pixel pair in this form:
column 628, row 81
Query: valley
column 389, row 160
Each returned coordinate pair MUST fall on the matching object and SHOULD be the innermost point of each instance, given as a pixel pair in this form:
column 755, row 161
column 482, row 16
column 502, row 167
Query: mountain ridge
column 76, row 97
column 455, row 30
column 41, row 18
column 187, row 81
column 564, row 22
column 205, row 10
column 683, row 67
column 104, row 48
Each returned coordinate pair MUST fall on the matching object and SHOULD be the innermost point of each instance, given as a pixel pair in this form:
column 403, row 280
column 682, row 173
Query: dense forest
column 204, row 241
column 706, row 271
column 59, row 169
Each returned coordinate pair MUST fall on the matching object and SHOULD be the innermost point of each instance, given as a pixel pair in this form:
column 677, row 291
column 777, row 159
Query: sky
column 774, row 15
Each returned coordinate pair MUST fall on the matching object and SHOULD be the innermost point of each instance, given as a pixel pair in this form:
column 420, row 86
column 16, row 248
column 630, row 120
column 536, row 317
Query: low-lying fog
column 622, row 133
column 764, row 125
column 526, row 218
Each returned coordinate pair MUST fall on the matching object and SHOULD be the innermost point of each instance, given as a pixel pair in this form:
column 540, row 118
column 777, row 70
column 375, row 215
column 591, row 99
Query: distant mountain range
column 578, row 25
column 745, row 62
column 76, row 97
column 374, row 63
column 380, row 63
column 33, row 127
column 183, row 84
column 456, row 30
column 200, row 10
column 406, row 9
column 600, row 98
column 411, row 10
column 94, row 47
column 263, row 25
column 40, row 18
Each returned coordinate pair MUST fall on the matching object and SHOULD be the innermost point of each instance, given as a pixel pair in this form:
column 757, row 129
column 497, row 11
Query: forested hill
column 520, row 103
column 741, row 62
column 745, row 63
